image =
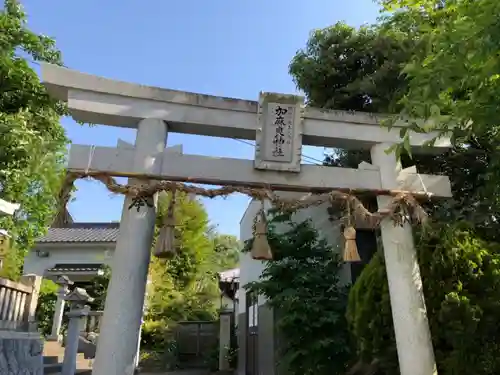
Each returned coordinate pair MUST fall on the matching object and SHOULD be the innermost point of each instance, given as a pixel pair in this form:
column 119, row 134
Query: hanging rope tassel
column 165, row 245
column 351, row 249
column 260, row 247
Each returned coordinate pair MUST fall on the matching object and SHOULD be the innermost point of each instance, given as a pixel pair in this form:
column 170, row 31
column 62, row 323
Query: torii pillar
column 100, row 100
column 121, row 322
column 409, row 315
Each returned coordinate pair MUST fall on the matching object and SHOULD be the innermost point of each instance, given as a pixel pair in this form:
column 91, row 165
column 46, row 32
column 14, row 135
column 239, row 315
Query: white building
column 77, row 250
column 256, row 334
column 229, row 283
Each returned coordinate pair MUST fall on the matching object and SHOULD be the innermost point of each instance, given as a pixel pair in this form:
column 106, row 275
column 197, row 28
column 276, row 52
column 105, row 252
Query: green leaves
column 305, row 268
column 186, row 286
column 352, row 69
column 454, row 72
column 32, row 141
column 461, row 279
column 436, row 69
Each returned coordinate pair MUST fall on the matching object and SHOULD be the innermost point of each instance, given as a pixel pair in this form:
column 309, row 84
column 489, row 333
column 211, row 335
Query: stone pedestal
column 225, row 322
column 71, row 348
column 21, row 353
column 64, row 284
column 77, row 299
column 55, row 334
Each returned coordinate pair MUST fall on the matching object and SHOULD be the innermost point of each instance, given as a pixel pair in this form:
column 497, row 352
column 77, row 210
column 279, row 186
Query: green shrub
column 232, row 351
column 155, row 335
column 302, row 285
column 46, row 306
column 211, row 357
column 155, row 361
column 158, row 346
column 461, row 279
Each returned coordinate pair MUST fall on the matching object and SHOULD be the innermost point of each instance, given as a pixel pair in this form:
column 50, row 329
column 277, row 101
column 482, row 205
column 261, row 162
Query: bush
column 158, row 346
column 461, row 279
column 232, row 352
column 155, row 335
column 303, row 287
column 46, row 306
column 211, row 357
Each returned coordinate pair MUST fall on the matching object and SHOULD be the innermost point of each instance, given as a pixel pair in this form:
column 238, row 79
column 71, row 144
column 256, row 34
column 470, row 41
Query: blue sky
column 219, row 47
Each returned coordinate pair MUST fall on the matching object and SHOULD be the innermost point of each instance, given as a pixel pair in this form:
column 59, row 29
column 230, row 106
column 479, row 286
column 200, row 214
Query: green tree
column 305, row 268
column 32, row 141
column 98, row 288
column 469, row 165
column 46, row 306
column 345, row 68
column 454, row 79
column 461, row 281
column 352, row 69
column 226, row 252
column 185, row 286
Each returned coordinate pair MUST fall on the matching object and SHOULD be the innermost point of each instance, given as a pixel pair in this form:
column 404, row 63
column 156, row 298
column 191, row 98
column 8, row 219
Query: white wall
column 250, row 269
column 226, row 303
column 67, row 254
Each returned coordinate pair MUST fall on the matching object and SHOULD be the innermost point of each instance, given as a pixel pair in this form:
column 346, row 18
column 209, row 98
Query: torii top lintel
column 104, row 101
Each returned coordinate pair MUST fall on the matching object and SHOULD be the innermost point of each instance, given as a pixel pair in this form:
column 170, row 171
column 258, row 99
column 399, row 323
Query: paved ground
column 54, row 349
column 84, row 366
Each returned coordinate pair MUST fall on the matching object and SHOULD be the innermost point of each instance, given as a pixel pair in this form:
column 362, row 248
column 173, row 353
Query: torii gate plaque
column 279, row 124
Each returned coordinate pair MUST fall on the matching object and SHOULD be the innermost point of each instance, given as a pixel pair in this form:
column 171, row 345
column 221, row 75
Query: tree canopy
column 185, row 287
column 461, row 282
column 425, row 81
column 32, row 141
column 454, row 77
column 226, row 251
column 352, row 69
column 333, row 72
column 305, row 267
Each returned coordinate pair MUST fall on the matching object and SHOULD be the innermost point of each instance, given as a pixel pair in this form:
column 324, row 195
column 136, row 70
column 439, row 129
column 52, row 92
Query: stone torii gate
column 280, row 124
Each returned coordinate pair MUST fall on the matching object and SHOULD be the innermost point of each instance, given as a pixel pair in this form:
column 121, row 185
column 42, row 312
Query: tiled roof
column 232, row 275
column 65, row 268
column 82, row 232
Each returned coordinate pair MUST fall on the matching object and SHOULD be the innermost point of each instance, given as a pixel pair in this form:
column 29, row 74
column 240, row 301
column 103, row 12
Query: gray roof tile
column 58, row 268
column 82, row 232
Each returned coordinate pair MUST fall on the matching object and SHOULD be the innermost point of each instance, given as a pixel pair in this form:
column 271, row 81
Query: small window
column 252, row 309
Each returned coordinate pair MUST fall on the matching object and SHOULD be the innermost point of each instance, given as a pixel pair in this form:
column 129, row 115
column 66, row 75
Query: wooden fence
column 18, row 303
column 91, row 325
column 196, row 341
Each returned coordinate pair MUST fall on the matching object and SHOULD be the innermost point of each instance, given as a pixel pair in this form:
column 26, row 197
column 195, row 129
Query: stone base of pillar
column 225, row 322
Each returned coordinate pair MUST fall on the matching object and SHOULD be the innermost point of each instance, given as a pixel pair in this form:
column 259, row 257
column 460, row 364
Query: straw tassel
column 351, row 249
column 260, row 246
column 165, row 245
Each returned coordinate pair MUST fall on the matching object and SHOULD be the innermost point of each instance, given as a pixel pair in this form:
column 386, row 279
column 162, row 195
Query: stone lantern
column 64, row 283
column 77, row 299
